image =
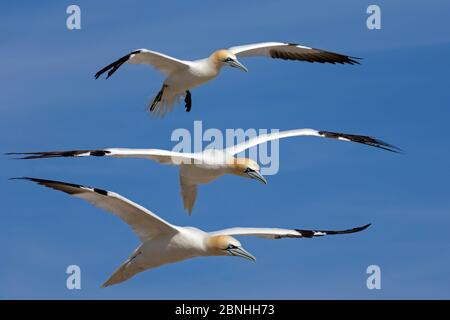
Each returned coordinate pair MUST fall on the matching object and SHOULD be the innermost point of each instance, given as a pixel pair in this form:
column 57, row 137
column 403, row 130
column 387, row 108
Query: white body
column 178, row 83
column 186, row 244
column 197, row 73
column 213, row 164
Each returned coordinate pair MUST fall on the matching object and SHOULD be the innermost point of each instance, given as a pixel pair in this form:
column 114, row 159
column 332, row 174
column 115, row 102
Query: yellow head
column 223, row 245
column 225, row 57
column 247, row 168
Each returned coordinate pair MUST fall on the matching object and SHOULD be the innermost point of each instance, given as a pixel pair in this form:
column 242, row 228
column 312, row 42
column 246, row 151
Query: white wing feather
column 269, row 137
column 367, row 140
column 259, row 49
column 291, row 51
column 164, row 63
column 142, row 221
column 162, row 156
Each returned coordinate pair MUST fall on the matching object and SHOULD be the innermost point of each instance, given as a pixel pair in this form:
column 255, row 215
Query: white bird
column 210, row 164
column 183, row 75
column 164, row 243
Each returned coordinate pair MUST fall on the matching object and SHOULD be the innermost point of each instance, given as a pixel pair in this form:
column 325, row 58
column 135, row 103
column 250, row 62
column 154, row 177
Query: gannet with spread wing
column 210, row 164
column 183, row 75
column 164, row 243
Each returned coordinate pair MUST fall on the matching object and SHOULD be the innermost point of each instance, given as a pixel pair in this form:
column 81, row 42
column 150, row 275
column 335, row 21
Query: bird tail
column 118, row 276
column 127, row 270
column 164, row 101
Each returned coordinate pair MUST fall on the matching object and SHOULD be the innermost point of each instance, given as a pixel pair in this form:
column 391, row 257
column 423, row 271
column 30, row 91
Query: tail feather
column 118, row 276
column 127, row 270
column 161, row 104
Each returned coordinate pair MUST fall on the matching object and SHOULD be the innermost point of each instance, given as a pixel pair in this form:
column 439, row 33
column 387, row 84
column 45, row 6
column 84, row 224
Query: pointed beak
column 241, row 252
column 257, row 176
column 237, row 64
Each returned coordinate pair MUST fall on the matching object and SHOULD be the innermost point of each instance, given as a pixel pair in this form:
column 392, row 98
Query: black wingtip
column 26, row 155
column 112, row 67
column 12, row 153
column 367, row 140
column 27, row 178
column 353, row 230
column 24, row 178
column 354, row 60
column 385, row 146
column 358, row 229
column 48, row 183
column 21, row 154
column 59, row 154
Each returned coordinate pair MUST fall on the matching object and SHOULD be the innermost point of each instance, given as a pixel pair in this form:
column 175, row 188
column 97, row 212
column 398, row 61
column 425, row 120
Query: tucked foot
column 188, row 101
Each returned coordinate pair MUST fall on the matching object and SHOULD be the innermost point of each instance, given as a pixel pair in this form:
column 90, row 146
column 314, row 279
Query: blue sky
column 50, row 101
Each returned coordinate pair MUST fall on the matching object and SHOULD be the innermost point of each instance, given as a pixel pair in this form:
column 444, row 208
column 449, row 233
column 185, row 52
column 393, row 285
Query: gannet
column 164, row 243
column 210, row 164
column 183, row 75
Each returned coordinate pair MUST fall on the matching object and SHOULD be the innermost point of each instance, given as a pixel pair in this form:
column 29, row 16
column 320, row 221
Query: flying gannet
column 164, row 243
column 183, row 75
column 208, row 165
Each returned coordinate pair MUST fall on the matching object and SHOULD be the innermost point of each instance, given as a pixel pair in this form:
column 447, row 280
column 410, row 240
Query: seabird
column 164, row 243
column 210, row 164
column 184, row 75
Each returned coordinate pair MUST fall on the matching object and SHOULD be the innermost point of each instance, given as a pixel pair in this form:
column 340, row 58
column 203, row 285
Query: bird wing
column 162, row 156
column 277, row 233
column 291, row 51
column 188, row 193
column 144, row 223
column 162, row 62
column 370, row 141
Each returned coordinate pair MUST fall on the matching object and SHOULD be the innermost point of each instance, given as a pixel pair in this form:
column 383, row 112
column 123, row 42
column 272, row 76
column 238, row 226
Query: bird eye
column 231, row 247
column 248, row 170
column 228, row 59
